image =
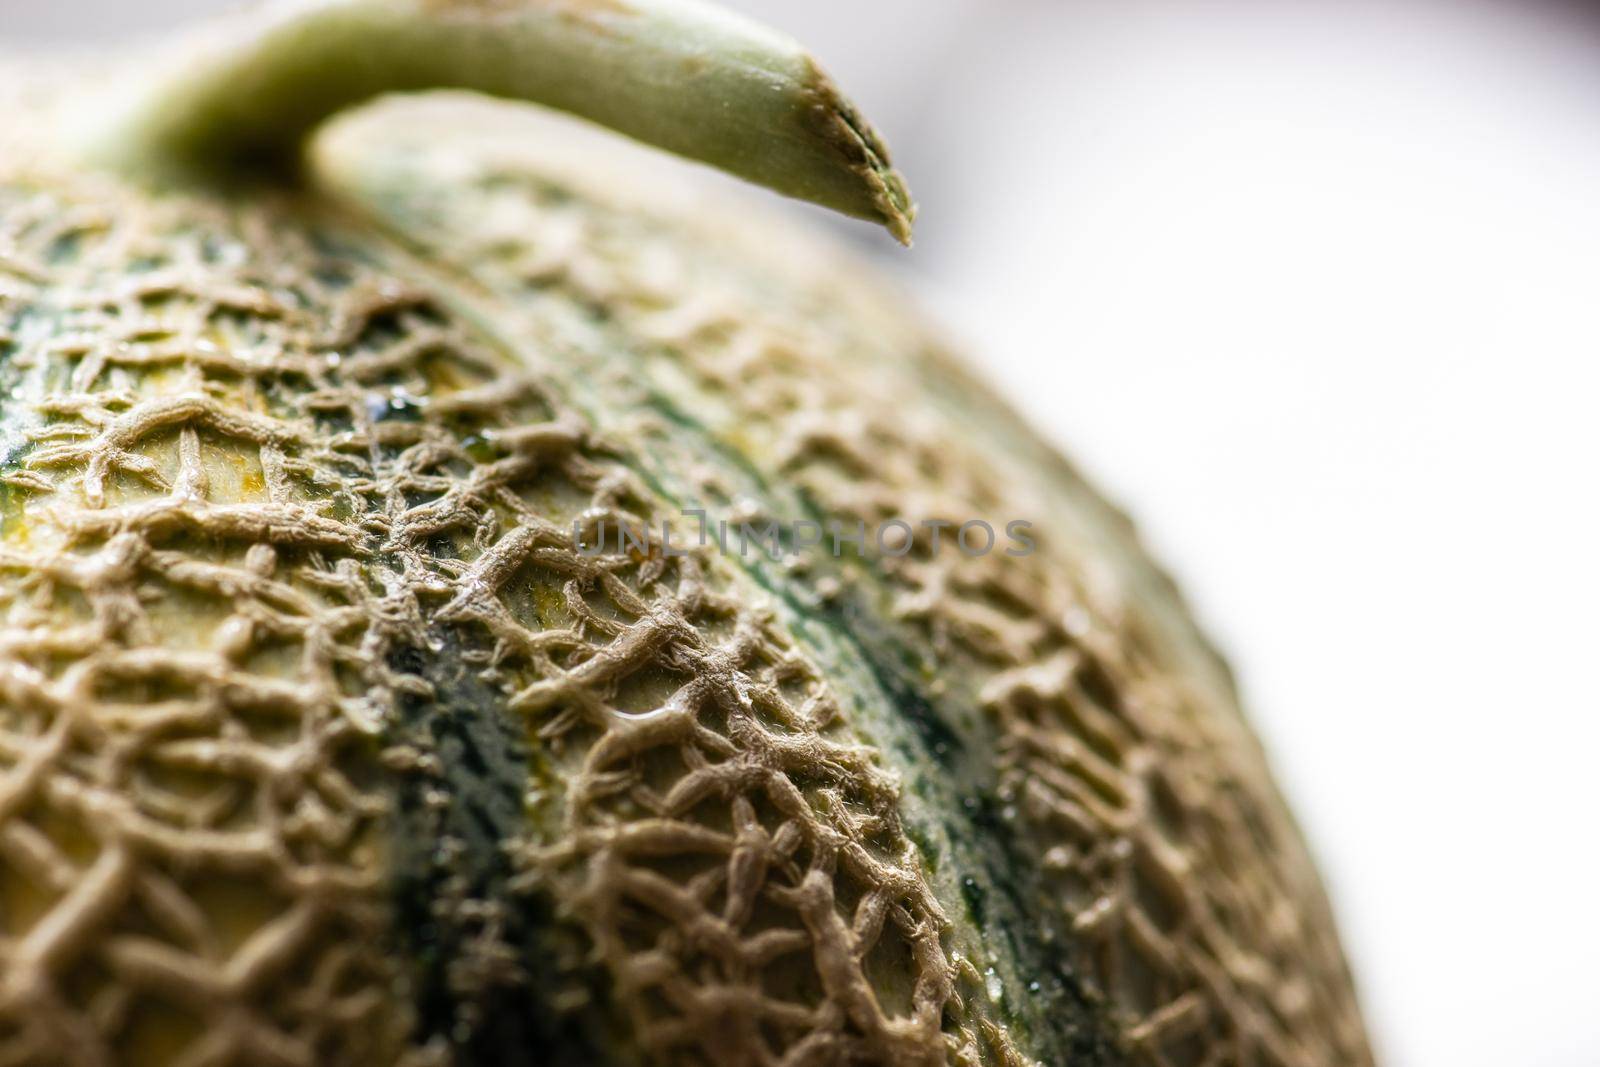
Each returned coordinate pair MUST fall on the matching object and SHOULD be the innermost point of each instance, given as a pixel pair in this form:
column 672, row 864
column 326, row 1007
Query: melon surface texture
column 331, row 733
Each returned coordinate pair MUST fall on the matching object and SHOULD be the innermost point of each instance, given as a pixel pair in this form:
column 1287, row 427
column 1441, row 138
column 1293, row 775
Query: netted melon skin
column 324, row 743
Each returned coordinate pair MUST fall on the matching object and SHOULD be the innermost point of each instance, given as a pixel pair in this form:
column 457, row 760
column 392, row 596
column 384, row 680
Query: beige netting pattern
column 191, row 868
column 243, row 468
column 1126, row 769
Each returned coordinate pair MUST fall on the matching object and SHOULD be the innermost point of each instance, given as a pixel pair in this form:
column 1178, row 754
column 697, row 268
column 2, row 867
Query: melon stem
column 682, row 75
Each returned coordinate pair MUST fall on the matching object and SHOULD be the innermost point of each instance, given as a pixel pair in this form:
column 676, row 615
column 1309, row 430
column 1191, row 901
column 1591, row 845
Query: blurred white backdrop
column 1313, row 288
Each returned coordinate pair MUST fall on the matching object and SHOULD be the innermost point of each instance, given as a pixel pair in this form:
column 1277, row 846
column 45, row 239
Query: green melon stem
column 683, row 75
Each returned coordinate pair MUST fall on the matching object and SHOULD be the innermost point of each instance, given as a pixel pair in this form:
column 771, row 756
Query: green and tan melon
column 330, row 733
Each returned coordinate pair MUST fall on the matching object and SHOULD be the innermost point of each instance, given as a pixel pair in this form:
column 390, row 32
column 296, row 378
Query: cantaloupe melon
column 334, row 732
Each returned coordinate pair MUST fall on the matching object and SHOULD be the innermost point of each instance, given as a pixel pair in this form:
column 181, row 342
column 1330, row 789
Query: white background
column 1311, row 287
